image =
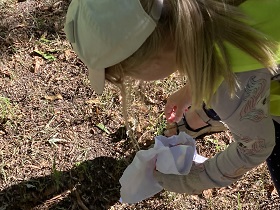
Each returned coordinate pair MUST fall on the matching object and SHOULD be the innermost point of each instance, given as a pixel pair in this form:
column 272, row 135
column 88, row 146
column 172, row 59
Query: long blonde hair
column 200, row 29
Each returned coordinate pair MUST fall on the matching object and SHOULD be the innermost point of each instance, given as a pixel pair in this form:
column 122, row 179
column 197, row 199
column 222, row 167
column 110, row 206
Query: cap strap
column 156, row 10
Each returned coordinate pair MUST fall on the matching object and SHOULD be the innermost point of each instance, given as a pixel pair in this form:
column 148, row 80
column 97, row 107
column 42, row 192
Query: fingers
column 179, row 114
column 169, row 111
column 175, row 115
column 171, row 118
column 176, row 105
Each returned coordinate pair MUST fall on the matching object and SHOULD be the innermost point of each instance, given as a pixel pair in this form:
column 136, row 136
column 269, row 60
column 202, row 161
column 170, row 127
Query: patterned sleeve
column 247, row 116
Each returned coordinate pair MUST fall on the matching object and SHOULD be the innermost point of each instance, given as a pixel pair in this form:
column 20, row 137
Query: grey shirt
column 247, row 116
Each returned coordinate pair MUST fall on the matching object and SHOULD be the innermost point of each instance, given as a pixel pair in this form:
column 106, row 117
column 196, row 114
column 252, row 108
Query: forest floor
column 64, row 147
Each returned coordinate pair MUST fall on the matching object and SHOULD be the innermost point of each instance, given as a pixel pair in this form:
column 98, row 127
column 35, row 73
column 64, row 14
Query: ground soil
column 64, row 147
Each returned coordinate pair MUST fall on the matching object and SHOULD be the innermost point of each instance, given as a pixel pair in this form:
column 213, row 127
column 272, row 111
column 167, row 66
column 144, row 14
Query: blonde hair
column 200, row 29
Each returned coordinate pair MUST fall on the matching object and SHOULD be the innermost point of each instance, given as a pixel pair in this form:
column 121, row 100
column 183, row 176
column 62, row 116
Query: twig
column 80, row 202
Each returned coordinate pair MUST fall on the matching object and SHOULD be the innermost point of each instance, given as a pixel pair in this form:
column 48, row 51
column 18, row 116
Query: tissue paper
column 170, row 155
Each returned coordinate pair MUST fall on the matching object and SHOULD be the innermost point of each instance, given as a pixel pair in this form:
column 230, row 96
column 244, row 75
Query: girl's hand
column 177, row 104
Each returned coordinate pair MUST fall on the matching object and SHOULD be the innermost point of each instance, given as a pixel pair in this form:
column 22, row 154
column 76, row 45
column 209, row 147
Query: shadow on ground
column 93, row 184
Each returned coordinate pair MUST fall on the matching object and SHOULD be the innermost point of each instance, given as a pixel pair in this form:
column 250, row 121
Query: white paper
column 170, row 155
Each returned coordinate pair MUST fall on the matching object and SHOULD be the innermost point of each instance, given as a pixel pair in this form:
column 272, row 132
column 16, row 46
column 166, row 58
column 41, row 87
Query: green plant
column 219, row 146
column 210, row 203
column 46, row 55
column 161, row 125
column 239, row 205
column 84, row 170
column 170, row 196
column 102, row 127
column 6, row 3
column 56, row 174
column 3, row 174
column 5, row 108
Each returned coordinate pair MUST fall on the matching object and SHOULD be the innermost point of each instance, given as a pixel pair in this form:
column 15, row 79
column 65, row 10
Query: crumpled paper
column 170, row 155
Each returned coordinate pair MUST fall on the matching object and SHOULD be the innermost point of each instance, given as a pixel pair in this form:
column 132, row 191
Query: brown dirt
column 53, row 155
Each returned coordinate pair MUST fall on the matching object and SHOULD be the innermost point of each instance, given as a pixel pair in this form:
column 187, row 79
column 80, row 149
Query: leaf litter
column 85, row 140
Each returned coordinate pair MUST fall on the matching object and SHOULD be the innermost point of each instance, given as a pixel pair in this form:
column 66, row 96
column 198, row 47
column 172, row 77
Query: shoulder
column 253, row 84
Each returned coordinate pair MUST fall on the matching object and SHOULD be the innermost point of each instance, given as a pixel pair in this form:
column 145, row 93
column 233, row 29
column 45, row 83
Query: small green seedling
column 46, row 56
column 102, row 127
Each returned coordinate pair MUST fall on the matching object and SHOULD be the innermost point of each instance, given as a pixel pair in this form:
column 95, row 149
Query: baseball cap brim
column 97, row 79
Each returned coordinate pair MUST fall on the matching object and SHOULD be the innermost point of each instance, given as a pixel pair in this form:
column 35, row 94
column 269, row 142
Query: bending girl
column 227, row 50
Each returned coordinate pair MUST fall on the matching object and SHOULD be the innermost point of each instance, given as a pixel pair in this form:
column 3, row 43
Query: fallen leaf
column 46, row 56
column 68, row 54
column 143, row 108
column 274, row 192
column 93, row 101
column 138, row 128
column 102, row 127
column 38, row 62
column 207, row 193
column 30, row 186
column 53, row 141
column 54, row 97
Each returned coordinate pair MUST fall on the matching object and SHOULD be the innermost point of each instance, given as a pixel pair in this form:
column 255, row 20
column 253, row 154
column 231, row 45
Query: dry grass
column 52, row 153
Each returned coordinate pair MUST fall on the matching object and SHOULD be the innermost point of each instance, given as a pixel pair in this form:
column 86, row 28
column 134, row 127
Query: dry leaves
column 54, row 97
column 94, row 101
column 37, row 63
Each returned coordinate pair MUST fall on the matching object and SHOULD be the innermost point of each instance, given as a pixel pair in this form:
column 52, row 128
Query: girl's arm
column 247, row 116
